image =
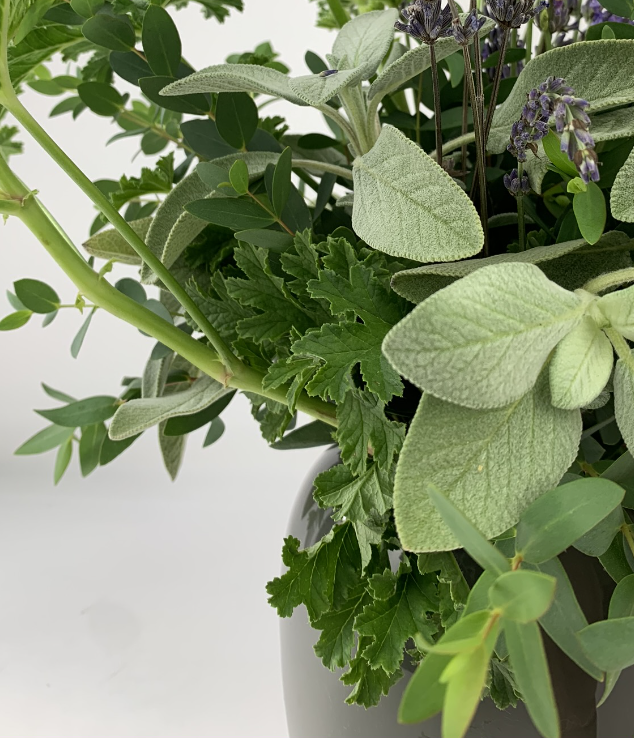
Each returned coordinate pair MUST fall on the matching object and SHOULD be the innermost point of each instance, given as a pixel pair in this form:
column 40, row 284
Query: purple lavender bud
column 515, row 184
column 587, row 166
column 514, row 13
column 426, row 21
column 328, row 72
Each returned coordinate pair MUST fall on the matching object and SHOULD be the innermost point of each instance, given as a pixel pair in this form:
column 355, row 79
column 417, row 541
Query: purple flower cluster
column 595, row 13
column 426, row 21
column 553, row 98
column 515, row 184
column 514, row 13
column 464, row 32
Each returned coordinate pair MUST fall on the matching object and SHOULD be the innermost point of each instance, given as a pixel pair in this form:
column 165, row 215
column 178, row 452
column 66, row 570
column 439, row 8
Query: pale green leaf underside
column 418, row 284
column 137, row 415
column 406, row 205
column 600, row 72
column 490, row 463
column 482, row 341
column 618, row 308
column 316, row 90
column 622, row 196
column 111, row 245
column 366, row 39
column 624, row 398
column 235, row 78
column 173, row 228
column 581, row 366
column 172, row 451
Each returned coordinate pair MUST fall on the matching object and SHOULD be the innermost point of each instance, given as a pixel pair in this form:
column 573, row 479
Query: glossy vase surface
column 315, row 698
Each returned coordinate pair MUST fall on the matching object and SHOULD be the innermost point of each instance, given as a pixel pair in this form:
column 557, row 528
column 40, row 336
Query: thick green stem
column 437, row 106
column 612, row 279
column 339, row 12
column 104, row 295
column 357, row 111
column 21, row 114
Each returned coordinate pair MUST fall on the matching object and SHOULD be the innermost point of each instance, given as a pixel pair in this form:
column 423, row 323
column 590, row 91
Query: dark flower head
column 578, row 144
column 514, row 13
column 515, row 184
column 426, row 21
column 464, row 32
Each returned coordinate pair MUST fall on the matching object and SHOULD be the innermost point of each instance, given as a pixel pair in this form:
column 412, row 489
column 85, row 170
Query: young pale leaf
column 366, row 39
column 92, row 438
column 598, row 73
column 36, row 296
column 236, row 118
column 45, row 440
column 624, row 398
column 161, row 42
column 622, row 194
column 82, row 412
column 552, row 147
column 235, row 78
column 526, row 652
column 15, row 320
column 618, row 308
column 111, row 245
column 114, row 32
column 501, row 322
column 316, row 90
column 581, row 366
column 406, row 205
column 560, row 517
column 468, row 673
column 468, row 535
column 590, row 210
column 137, row 415
column 492, row 463
column 522, row 596
column 306, row 436
column 610, row 643
column 62, row 460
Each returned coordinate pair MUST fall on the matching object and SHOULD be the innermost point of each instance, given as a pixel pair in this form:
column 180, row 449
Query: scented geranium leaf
column 622, row 194
column 319, row 577
column 560, row 517
column 406, row 205
column 369, row 684
column 341, row 347
column 522, row 595
column 420, row 283
column 316, row 90
column 624, row 398
column 37, row 47
column 526, row 653
column 366, row 39
column 267, row 293
column 483, row 341
column 474, row 457
column 337, row 638
column 362, row 500
column 618, row 308
column 565, row 618
column 111, row 245
column 137, row 415
column 391, row 622
column 152, row 181
column 235, row 78
column 581, row 366
column 451, row 582
column 610, row 643
column 219, row 308
column 363, row 427
column 598, row 73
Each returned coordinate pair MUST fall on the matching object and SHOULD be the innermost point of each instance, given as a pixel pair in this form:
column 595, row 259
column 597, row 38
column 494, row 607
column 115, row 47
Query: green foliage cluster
column 469, row 355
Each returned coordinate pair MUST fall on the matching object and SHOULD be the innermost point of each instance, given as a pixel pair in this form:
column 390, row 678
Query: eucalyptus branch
column 102, row 294
column 129, row 115
column 612, row 279
column 437, row 106
column 322, row 166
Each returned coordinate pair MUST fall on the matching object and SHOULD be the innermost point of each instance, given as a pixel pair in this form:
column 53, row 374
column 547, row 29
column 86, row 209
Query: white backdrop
column 132, row 607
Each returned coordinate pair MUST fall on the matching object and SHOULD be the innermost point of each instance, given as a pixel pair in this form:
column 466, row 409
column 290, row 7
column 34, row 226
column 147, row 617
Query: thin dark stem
column 419, row 99
column 465, row 125
column 496, row 82
column 521, row 226
column 437, row 108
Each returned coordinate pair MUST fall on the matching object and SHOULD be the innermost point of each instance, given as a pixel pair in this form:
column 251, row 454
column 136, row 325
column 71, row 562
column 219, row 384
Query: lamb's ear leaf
column 581, row 366
column 624, row 398
column 406, row 205
column 366, row 39
column 467, row 452
column 618, row 308
column 622, row 194
column 598, row 73
column 504, row 337
column 563, row 515
column 526, row 651
column 111, row 245
column 316, row 90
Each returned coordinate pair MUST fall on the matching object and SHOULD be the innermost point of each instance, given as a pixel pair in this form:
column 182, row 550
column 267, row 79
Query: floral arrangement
column 440, row 284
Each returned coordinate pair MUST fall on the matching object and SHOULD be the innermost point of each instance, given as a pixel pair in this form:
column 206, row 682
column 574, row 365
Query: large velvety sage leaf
column 624, row 398
column 622, row 196
column 173, row 228
column 406, row 205
column 315, row 90
column 482, row 341
column 366, row 39
column 581, row 366
column 599, row 72
column 137, row 415
column 490, row 463
column 419, row 283
column 111, row 245
column 235, row 78
column 618, row 308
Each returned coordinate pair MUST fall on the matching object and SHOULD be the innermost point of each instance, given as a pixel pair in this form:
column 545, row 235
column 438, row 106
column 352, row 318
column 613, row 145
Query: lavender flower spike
column 515, row 184
column 514, row 13
column 426, row 21
column 464, row 32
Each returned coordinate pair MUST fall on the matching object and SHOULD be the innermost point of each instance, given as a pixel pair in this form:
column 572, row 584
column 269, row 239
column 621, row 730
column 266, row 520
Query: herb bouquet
column 441, row 284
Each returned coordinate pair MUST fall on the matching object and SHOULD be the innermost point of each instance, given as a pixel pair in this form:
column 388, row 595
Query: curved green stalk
column 322, row 166
column 612, row 279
